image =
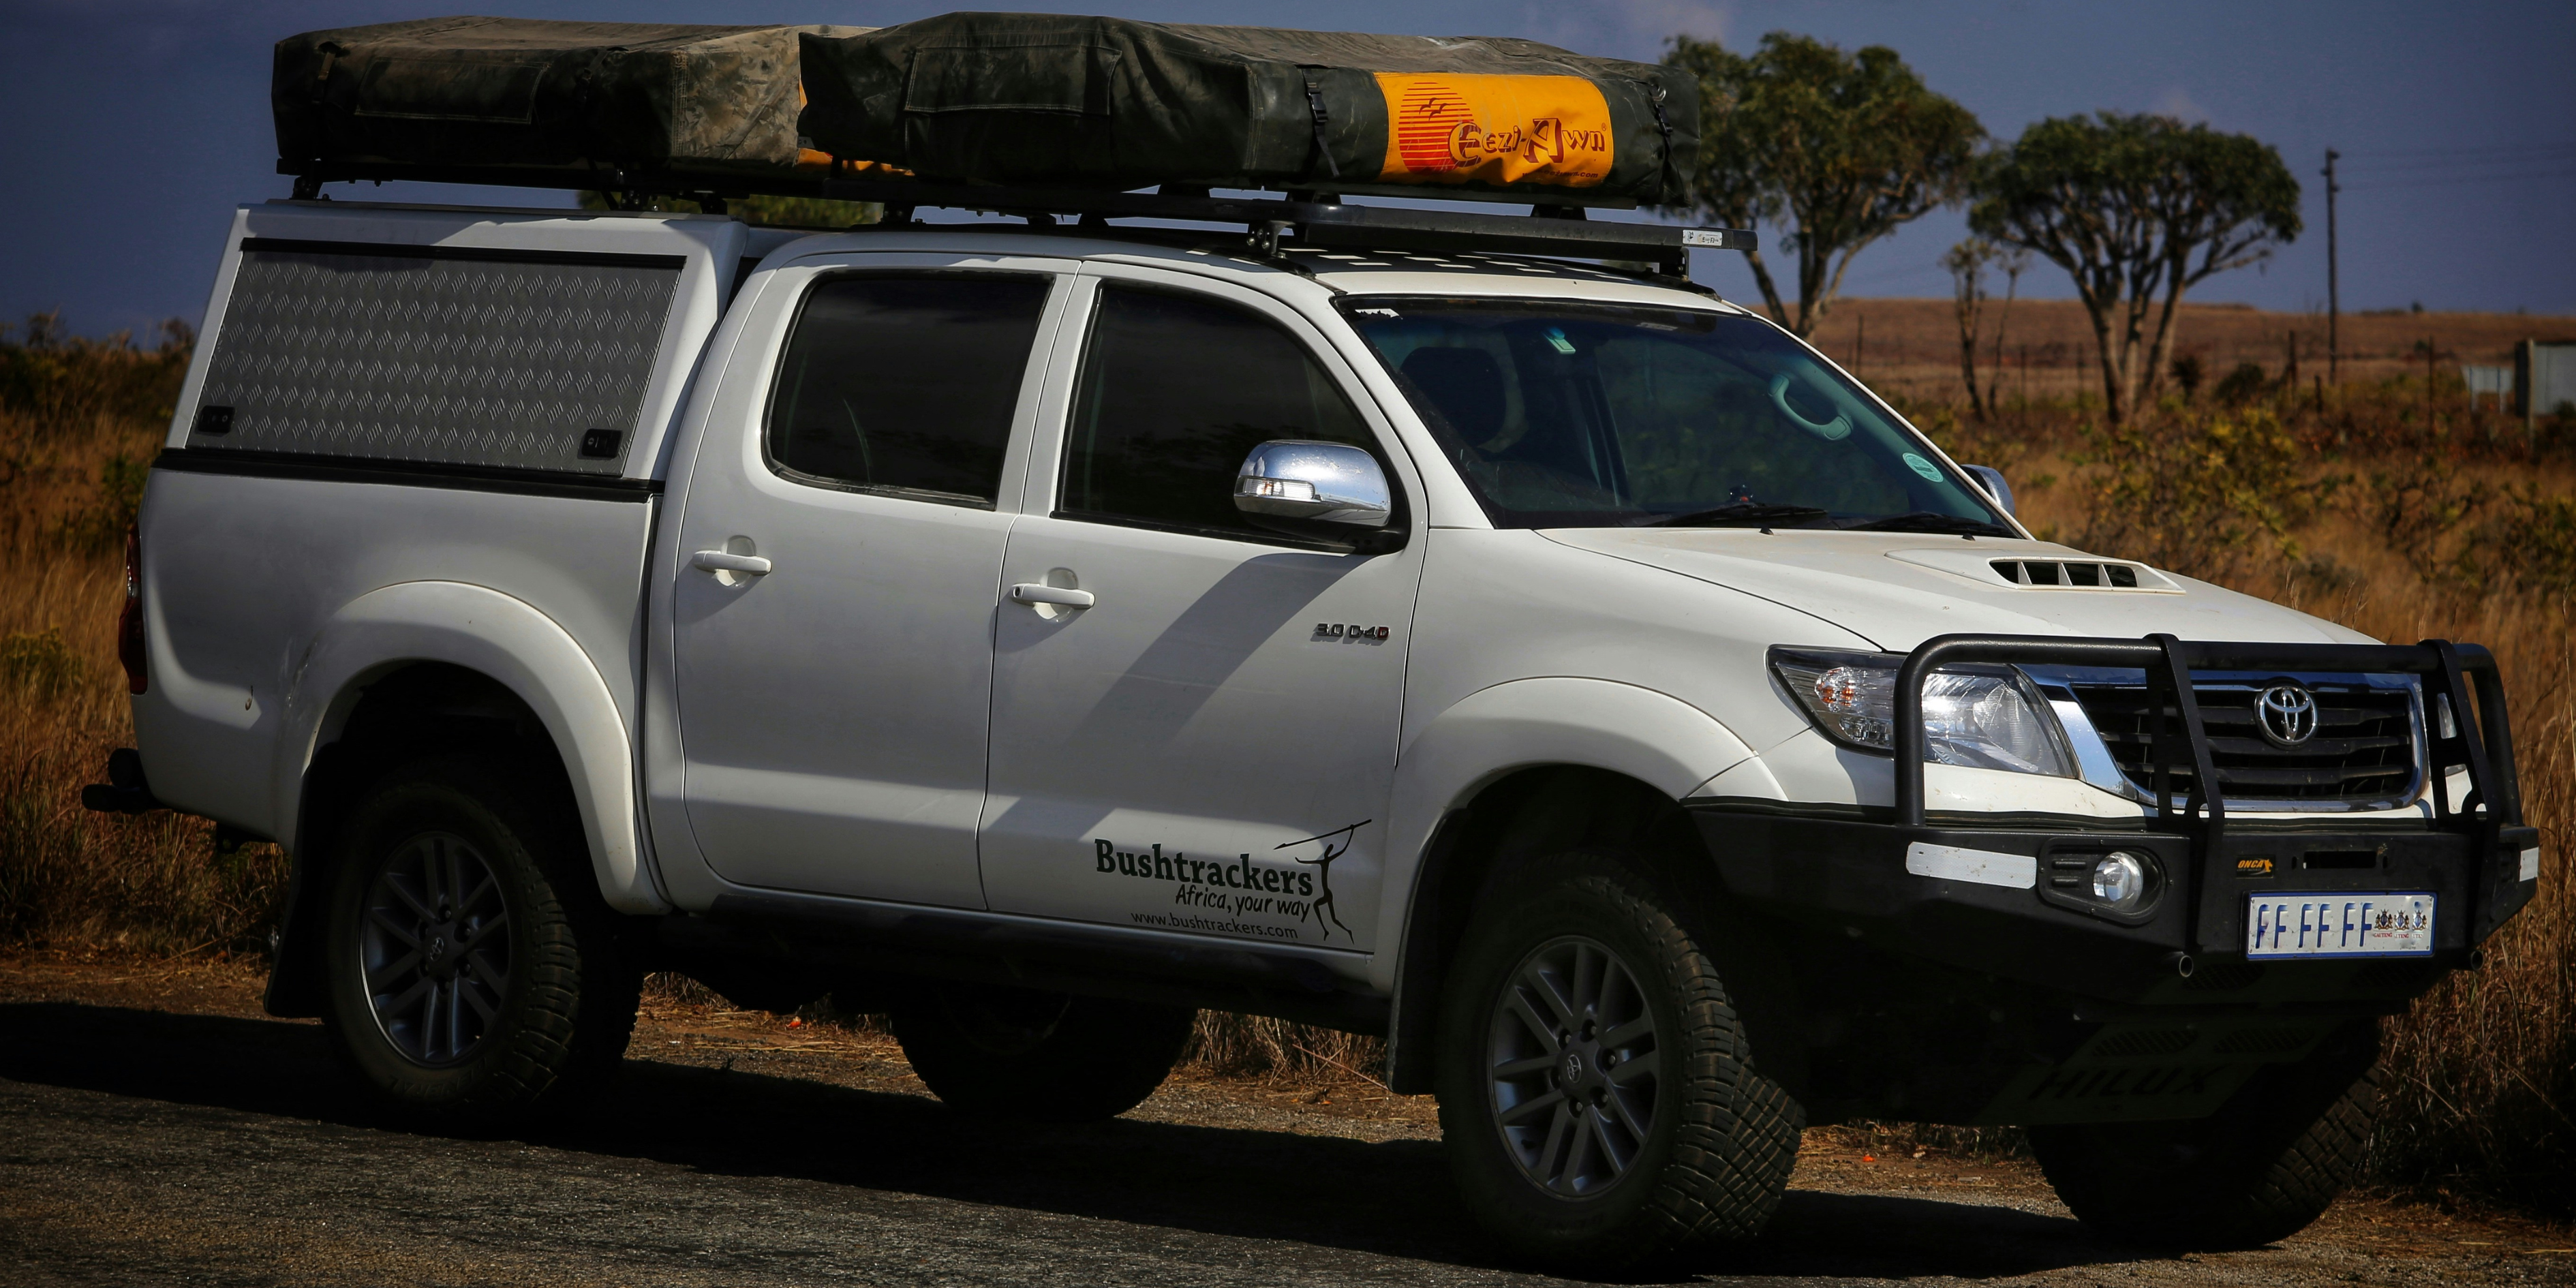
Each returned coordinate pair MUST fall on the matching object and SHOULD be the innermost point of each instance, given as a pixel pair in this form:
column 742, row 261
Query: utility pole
column 2334, row 302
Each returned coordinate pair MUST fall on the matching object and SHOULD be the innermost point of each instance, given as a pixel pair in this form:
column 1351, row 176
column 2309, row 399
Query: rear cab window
column 904, row 383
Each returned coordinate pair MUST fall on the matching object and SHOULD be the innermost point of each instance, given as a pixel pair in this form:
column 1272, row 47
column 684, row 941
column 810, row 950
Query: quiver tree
column 2137, row 209
column 1837, row 149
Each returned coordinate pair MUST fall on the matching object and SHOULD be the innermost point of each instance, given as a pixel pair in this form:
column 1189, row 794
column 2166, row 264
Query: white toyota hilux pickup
column 1039, row 632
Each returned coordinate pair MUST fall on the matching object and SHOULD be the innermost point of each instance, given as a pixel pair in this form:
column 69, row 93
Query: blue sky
column 139, row 124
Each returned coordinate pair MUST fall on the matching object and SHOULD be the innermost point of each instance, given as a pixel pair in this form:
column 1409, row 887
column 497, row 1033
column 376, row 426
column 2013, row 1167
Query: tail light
column 129, row 620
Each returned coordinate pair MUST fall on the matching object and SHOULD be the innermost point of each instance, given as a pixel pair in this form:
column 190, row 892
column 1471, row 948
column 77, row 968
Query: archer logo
column 1336, row 843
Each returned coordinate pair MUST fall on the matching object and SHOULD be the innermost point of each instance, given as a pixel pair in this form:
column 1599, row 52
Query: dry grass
column 79, row 421
column 1912, row 346
column 2387, row 509
column 1221, row 1044
column 2405, row 519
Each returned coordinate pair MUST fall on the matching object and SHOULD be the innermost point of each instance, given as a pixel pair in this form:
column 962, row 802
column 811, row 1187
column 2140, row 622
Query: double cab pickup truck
column 1041, row 631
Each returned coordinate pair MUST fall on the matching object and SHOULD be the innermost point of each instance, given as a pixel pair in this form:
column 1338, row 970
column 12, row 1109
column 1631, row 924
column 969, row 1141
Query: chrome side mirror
column 1292, row 483
column 1992, row 480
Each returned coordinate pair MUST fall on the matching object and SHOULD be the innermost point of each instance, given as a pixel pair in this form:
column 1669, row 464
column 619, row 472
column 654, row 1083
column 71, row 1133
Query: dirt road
column 155, row 1129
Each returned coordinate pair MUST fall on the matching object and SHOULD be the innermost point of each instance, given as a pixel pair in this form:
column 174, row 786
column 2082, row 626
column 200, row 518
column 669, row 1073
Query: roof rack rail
column 1297, row 219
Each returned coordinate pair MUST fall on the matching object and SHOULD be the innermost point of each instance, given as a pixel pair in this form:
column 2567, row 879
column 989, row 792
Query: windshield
column 1575, row 415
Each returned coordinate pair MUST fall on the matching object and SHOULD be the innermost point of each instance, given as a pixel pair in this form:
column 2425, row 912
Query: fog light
column 2121, row 881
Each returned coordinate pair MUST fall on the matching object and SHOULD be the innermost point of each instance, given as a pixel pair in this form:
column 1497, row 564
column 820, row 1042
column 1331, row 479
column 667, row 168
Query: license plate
column 2339, row 925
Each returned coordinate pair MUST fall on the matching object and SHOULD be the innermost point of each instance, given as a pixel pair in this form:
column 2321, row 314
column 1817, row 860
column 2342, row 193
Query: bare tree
column 1842, row 149
column 1967, row 263
column 2136, row 209
column 2014, row 261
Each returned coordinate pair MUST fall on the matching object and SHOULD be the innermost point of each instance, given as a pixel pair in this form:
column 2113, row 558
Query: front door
column 1209, row 746
column 837, row 566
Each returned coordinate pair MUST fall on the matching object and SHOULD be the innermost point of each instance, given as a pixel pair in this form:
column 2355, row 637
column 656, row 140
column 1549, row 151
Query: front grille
column 2363, row 750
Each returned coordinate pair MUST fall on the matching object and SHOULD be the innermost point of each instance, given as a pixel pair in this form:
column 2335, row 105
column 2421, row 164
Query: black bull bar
column 2465, row 674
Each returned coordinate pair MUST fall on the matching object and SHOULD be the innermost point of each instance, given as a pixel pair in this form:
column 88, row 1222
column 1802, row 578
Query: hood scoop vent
column 2076, row 574
column 2043, row 574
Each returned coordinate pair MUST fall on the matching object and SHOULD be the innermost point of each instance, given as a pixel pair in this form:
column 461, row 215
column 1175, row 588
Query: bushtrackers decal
column 1241, row 888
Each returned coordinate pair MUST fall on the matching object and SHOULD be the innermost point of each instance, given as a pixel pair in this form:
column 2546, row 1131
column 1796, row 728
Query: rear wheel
column 2265, row 1165
column 1597, row 1096
column 472, row 971
column 1037, row 1056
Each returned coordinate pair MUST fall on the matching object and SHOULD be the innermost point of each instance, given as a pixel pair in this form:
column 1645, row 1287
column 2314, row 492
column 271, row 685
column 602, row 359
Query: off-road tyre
column 2271, row 1160
column 566, row 1008
column 1721, row 1138
column 1030, row 1056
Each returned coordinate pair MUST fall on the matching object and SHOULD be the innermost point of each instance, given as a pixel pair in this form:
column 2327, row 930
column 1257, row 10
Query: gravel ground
column 155, row 1128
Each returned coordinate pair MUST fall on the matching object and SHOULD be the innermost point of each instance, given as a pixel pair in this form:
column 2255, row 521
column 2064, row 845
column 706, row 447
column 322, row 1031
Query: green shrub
column 98, row 528
column 2241, row 385
column 66, row 383
column 41, row 663
column 2199, row 495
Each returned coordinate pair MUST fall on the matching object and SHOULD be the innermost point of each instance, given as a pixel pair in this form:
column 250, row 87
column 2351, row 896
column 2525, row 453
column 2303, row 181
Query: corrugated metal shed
column 2483, row 381
column 2544, row 377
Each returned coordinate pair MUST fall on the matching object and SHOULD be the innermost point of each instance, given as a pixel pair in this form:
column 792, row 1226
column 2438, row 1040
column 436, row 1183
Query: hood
column 1899, row 589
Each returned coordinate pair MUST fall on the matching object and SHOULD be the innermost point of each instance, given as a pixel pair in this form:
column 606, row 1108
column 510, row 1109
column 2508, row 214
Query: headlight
column 1982, row 717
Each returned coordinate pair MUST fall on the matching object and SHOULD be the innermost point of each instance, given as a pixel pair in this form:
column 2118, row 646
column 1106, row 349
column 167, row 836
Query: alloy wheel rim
column 1575, row 1060
column 434, row 942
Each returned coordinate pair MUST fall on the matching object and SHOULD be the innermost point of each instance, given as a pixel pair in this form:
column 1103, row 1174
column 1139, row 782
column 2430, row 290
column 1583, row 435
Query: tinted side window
column 906, row 383
column 1176, row 390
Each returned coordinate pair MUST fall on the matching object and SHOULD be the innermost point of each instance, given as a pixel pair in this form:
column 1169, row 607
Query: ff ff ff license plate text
column 2339, row 925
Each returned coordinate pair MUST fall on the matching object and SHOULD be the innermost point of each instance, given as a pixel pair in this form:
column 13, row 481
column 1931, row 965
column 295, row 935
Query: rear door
column 1208, row 747
column 838, row 560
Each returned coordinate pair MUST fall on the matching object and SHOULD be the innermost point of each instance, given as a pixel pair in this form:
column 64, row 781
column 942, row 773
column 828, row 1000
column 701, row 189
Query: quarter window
column 1176, row 390
column 906, row 383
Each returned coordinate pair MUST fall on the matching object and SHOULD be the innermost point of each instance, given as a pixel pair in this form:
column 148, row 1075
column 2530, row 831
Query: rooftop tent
column 508, row 92
column 1046, row 99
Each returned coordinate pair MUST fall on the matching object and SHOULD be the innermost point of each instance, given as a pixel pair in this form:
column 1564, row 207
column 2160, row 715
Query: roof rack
column 1297, row 219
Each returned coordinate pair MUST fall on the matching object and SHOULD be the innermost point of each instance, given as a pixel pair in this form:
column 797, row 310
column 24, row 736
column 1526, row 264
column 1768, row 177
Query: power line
column 2507, row 150
column 2403, row 176
column 2462, row 181
column 2478, row 167
column 2493, row 163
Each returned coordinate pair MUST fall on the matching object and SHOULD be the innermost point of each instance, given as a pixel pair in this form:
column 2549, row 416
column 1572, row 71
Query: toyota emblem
column 2287, row 714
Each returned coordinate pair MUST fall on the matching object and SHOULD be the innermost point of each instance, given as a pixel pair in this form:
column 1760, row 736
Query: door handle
column 1030, row 592
column 724, row 561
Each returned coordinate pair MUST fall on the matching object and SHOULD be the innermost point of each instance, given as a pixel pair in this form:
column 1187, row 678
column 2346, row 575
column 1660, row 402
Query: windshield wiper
column 1927, row 521
column 1738, row 514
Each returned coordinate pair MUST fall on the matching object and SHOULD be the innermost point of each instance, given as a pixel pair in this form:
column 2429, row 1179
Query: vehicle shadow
column 1390, row 1198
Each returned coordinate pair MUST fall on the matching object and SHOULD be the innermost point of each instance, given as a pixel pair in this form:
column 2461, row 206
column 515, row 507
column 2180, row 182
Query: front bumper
column 1850, row 876
column 1845, row 869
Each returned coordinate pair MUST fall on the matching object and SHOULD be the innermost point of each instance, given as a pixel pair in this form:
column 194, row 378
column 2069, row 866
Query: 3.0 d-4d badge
column 1345, row 631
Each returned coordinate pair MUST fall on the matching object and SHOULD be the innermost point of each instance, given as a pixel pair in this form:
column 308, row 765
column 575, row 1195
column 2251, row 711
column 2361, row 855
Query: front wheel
column 472, row 971
column 2271, row 1160
column 1598, row 1100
